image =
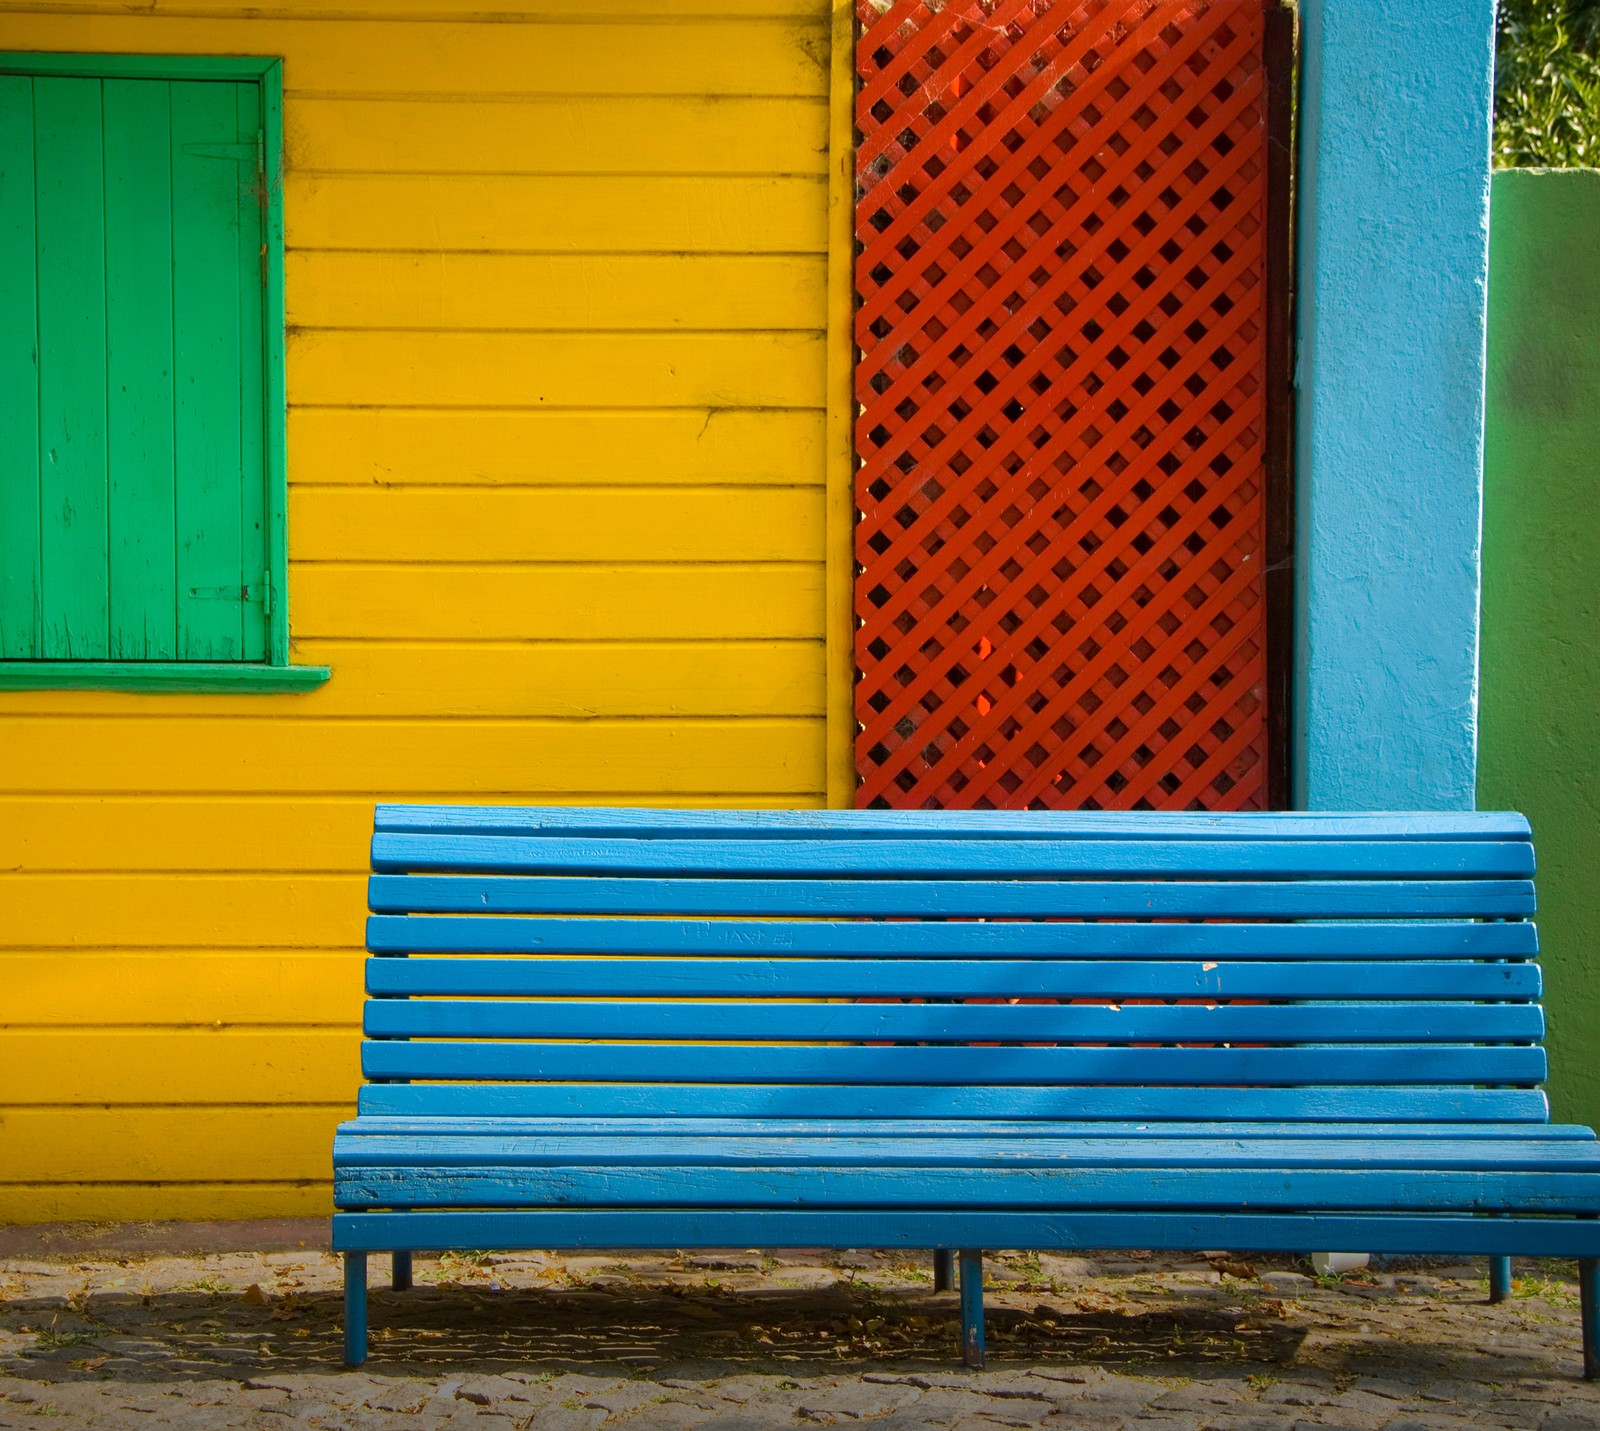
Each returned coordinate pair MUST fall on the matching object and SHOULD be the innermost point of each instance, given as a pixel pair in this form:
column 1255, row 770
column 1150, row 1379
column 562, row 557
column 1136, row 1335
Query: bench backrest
column 840, row 965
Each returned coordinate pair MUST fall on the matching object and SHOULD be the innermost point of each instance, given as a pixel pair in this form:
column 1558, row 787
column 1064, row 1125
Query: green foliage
column 1547, row 84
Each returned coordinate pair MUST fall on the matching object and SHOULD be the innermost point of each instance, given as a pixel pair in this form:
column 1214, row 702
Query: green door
column 133, row 496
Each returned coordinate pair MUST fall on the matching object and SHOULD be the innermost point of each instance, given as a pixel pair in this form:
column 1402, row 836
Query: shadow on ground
column 177, row 1336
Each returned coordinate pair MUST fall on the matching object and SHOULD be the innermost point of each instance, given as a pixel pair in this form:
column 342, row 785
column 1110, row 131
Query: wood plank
column 993, row 1188
column 276, row 757
column 949, row 978
column 139, row 370
column 992, row 855
column 173, row 833
column 93, row 833
column 444, row 447
column 184, row 1145
column 1348, row 1022
column 688, row 293
column 186, row 911
column 181, row 988
column 565, row 213
column 114, row 1067
column 250, row 222
column 692, row 56
column 559, row 524
column 1191, row 1067
column 766, row 937
column 22, row 1203
column 940, row 1130
column 960, row 824
column 70, row 215
column 561, row 679
column 444, row 1153
column 20, row 597
column 516, row 370
column 583, row 134
column 208, row 373
column 1314, row 1103
column 577, row 602
column 949, row 899
column 1463, row 1235
column 540, row 13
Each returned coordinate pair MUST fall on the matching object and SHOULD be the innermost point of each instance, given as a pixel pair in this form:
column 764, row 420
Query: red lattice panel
column 1062, row 217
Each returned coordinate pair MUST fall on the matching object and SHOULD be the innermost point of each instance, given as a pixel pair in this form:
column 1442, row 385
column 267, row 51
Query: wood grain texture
column 566, row 135
column 564, row 679
column 597, row 601
column 579, row 213
column 688, row 525
column 21, row 608
column 182, row 911
column 274, row 834
column 181, row 988
column 686, row 293
column 699, row 370
column 690, row 57
column 552, row 12
column 210, row 1144
column 1531, row 1236
column 175, row 1198
column 199, row 754
column 141, row 1066
column 637, row 448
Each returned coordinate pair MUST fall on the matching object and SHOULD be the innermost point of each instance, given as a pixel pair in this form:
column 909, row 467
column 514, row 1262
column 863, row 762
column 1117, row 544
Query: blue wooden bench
column 612, row 1028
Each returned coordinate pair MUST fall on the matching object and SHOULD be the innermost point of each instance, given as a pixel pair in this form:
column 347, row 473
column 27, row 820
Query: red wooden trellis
column 1062, row 285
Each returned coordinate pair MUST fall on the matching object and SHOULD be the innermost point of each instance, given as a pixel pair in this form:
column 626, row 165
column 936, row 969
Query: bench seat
column 609, row 1029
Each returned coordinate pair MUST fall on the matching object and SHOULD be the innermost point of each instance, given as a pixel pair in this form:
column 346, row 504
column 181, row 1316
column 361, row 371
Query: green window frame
column 143, row 476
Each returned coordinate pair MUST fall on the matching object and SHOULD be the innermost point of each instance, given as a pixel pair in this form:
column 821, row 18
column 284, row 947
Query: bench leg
column 1499, row 1278
column 1589, row 1300
column 972, row 1308
column 355, row 1308
column 401, row 1279
column 944, row 1269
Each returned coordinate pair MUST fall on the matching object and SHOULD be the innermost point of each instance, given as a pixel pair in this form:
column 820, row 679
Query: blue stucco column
column 1393, row 270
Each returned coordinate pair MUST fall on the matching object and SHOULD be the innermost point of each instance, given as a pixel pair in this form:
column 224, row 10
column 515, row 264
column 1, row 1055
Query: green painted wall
column 1539, row 748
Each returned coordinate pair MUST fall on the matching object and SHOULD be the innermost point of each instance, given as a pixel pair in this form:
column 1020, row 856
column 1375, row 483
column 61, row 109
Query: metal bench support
column 1499, row 1278
column 355, row 1308
column 972, row 1308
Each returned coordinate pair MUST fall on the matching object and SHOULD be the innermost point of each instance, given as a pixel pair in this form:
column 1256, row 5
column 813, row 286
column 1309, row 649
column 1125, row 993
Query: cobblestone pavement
column 97, row 1336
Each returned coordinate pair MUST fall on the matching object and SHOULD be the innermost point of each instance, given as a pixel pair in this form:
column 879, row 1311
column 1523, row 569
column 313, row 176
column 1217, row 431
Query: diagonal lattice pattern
column 1061, row 213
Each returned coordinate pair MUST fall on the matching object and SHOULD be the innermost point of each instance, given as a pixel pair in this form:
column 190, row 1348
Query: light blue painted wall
column 1393, row 270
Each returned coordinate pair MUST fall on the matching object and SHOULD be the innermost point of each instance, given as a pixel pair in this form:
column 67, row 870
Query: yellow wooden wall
column 558, row 358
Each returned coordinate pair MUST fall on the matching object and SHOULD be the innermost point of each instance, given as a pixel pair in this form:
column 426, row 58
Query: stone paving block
column 855, row 1400
column 1573, row 1418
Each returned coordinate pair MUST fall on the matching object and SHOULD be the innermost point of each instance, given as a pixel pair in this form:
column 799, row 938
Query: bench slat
column 946, row 824
column 775, row 938
column 1098, row 1151
column 668, row 1062
column 818, row 1185
column 920, row 899
column 952, row 978
column 1323, row 1023
column 1313, row 1104
column 369, row 1125
column 973, row 858
column 1245, row 1232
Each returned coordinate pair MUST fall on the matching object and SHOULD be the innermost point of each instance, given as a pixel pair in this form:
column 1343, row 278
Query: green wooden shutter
column 133, row 495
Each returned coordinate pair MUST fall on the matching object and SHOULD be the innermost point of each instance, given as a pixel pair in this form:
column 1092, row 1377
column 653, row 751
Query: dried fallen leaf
column 254, row 1295
column 88, row 1363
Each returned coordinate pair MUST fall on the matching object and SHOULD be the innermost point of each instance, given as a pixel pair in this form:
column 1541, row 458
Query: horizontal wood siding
column 556, row 294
